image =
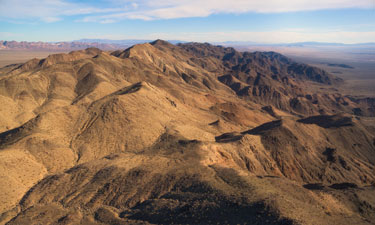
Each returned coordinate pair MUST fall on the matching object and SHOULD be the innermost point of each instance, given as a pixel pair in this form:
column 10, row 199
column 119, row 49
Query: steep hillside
column 271, row 78
column 187, row 134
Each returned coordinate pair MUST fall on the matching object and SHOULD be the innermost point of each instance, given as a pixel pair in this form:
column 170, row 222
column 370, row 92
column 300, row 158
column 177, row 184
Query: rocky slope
column 193, row 133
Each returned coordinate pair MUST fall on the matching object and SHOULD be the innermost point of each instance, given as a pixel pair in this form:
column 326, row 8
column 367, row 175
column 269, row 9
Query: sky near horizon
column 262, row 21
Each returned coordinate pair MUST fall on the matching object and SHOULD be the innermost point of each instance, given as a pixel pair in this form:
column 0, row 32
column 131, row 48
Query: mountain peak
column 160, row 42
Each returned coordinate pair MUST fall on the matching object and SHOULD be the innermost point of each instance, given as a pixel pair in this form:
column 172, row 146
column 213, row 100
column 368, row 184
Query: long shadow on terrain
column 196, row 202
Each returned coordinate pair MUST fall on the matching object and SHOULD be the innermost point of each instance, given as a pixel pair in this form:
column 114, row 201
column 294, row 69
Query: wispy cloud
column 50, row 19
column 46, row 10
column 108, row 11
column 172, row 9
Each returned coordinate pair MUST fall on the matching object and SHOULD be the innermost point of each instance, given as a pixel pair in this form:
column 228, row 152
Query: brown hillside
column 186, row 134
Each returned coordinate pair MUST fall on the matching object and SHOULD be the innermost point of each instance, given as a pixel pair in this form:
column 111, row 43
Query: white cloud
column 107, row 21
column 46, row 10
column 135, row 5
column 50, row 19
column 115, row 10
column 170, row 9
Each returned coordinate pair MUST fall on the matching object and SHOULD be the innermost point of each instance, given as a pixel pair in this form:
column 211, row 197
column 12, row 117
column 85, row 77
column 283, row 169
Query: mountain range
column 107, row 44
column 56, row 46
column 188, row 133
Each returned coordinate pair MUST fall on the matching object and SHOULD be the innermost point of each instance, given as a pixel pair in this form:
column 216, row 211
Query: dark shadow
column 342, row 186
column 264, row 128
column 314, row 186
column 228, row 137
column 330, row 154
column 326, row 121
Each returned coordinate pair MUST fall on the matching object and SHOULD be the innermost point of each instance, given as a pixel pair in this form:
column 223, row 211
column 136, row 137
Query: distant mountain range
column 56, row 46
column 104, row 44
column 127, row 42
column 296, row 44
column 107, row 44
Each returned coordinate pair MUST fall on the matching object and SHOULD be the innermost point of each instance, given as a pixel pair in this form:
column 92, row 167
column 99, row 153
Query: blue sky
column 263, row 21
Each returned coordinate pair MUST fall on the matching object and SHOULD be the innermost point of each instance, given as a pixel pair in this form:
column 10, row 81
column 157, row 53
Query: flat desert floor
column 8, row 57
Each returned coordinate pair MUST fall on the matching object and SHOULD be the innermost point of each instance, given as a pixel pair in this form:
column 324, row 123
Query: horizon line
column 87, row 40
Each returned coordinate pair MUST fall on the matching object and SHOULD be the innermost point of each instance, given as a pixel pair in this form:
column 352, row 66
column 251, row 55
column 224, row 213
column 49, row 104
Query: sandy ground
column 8, row 57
